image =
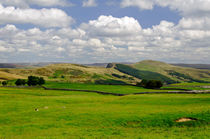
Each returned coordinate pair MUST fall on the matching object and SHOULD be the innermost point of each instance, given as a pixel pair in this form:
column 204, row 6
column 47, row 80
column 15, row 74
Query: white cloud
column 43, row 3
column 44, row 17
column 111, row 26
column 142, row 4
column 185, row 7
column 89, row 3
column 106, row 39
column 202, row 23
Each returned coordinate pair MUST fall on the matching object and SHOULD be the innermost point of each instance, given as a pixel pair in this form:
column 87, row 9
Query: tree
column 4, row 83
column 20, row 82
column 41, row 81
column 152, row 84
column 143, row 83
column 33, row 81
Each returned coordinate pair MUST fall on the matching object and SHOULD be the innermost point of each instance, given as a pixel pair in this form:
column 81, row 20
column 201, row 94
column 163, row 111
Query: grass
column 191, row 84
column 88, row 115
column 121, row 89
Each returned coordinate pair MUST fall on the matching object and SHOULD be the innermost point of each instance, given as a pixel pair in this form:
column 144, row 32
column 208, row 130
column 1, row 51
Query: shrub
column 20, row 82
column 41, row 81
column 143, row 83
column 4, row 83
column 152, row 84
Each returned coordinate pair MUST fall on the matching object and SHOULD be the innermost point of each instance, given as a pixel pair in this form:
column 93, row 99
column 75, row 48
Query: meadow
column 41, row 114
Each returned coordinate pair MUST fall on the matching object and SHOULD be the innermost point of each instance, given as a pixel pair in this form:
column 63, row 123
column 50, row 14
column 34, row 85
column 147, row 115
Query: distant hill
column 149, row 69
column 197, row 66
column 103, row 64
column 74, row 73
column 9, row 65
column 25, row 65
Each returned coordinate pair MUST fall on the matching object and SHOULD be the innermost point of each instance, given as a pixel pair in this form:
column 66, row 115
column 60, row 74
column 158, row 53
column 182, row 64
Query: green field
column 64, row 114
column 121, row 89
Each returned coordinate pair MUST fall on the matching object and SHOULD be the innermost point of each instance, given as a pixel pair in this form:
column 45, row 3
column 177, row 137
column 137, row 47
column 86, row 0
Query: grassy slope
column 86, row 115
column 8, row 76
column 141, row 74
column 72, row 73
column 166, row 69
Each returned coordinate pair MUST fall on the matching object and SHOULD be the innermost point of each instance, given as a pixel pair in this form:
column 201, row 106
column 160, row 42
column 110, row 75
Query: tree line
column 31, row 81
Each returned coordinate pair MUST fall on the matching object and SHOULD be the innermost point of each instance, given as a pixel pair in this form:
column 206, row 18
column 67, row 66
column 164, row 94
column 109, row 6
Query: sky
column 99, row 31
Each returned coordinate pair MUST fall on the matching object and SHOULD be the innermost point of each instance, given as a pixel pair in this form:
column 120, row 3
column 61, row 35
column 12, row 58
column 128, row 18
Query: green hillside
column 174, row 72
column 149, row 69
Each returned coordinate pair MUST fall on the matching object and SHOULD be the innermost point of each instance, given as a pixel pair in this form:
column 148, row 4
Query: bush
column 4, row 83
column 151, row 84
column 41, row 81
column 143, row 83
column 33, row 81
column 20, row 82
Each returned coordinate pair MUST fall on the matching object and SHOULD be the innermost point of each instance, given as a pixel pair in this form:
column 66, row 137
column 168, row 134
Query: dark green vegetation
column 33, row 81
column 36, row 113
column 20, row 82
column 150, row 84
column 4, row 83
column 142, row 74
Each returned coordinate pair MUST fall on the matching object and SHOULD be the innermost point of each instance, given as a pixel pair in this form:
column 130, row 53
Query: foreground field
column 36, row 113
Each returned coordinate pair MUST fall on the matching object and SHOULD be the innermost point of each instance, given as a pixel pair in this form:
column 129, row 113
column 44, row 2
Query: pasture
column 37, row 113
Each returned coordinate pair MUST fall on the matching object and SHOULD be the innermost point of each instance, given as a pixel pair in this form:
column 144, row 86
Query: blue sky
column 89, row 31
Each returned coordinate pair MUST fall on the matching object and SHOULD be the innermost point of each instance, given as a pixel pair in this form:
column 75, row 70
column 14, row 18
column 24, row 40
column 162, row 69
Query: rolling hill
column 73, row 73
column 8, row 76
column 114, row 73
column 197, row 66
column 149, row 69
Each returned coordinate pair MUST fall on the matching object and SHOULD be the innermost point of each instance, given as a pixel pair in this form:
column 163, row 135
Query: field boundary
column 99, row 92
column 117, row 94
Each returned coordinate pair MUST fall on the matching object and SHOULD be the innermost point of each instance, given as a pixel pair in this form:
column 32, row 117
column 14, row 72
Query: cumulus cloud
column 44, row 17
column 107, row 26
column 106, row 39
column 42, row 3
column 89, row 3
